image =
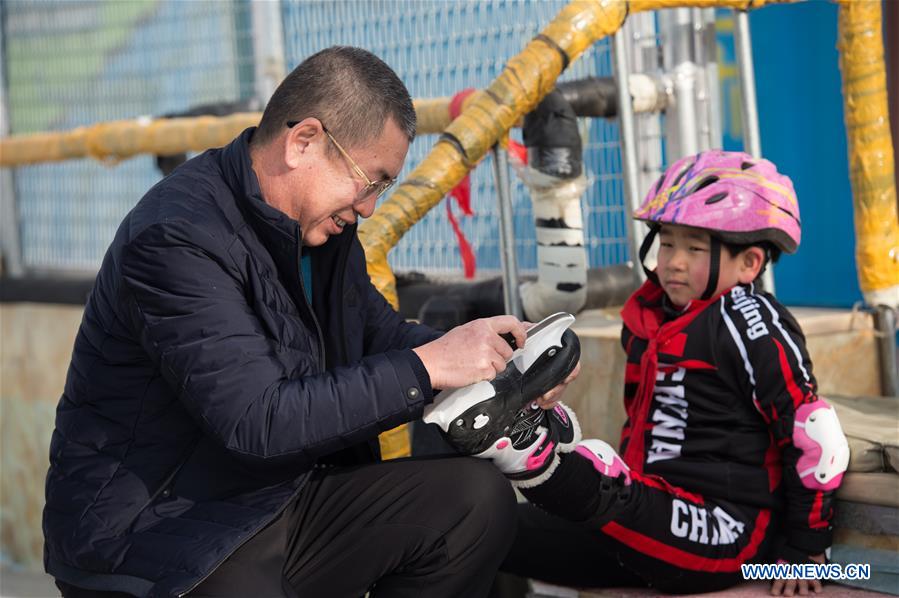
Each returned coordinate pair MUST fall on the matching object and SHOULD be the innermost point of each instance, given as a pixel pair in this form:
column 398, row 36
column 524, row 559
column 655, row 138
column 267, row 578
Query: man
column 217, row 435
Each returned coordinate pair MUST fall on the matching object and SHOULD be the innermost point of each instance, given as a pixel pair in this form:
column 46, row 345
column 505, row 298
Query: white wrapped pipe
column 561, row 283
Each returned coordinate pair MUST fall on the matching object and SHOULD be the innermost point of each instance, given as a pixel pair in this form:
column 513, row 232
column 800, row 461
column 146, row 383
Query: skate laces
column 527, row 426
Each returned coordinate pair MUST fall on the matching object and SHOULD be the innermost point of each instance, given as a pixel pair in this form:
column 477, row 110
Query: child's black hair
column 772, row 252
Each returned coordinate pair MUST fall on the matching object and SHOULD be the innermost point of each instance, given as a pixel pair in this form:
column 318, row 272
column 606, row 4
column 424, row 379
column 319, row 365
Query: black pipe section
column 55, row 288
column 610, row 286
column 444, row 305
column 592, row 96
column 554, row 148
column 166, row 164
column 551, row 135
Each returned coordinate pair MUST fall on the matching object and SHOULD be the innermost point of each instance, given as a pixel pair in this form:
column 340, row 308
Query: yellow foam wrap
column 485, row 118
column 871, row 169
column 433, row 116
column 117, row 140
column 488, row 115
column 644, row 5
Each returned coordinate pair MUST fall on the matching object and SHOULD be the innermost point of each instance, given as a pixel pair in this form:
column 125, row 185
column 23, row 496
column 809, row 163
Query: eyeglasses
column 377, row 187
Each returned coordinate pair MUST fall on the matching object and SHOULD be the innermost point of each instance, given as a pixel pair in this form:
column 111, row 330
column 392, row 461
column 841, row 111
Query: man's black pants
column 434, row 527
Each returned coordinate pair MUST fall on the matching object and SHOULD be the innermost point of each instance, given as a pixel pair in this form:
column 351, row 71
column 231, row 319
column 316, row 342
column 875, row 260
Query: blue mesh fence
column 72, row 63
column 438, row 49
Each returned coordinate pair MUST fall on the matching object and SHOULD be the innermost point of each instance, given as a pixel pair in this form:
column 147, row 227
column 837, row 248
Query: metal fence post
column 268, row 48
column 752, row 141
column 710, row 66
column 511, row 295
column 679, row 52
column 645, row 58
column 635, row 229
column 885, row 323
column 10, row 245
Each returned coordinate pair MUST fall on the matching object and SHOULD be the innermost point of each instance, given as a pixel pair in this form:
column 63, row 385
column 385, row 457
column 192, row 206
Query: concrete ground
column 747, row 590
column 19, row 583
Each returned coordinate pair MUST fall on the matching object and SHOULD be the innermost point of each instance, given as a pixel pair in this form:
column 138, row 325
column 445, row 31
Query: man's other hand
column 549, row 400
column 471, row 352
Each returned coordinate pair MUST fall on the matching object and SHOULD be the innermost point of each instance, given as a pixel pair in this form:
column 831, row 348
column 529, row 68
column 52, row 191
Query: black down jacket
column 204, row 387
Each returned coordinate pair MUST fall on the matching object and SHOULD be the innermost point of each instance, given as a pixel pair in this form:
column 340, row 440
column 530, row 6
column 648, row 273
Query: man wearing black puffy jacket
column 217, row 435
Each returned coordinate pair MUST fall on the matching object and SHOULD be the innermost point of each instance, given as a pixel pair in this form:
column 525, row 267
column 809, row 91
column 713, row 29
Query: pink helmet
column 737, row 198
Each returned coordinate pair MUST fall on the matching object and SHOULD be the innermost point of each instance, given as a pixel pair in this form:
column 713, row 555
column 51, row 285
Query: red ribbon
column 462, row 194
column 518, row 152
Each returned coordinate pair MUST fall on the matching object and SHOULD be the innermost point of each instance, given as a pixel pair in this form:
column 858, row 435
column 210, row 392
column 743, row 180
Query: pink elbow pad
column 825, row 452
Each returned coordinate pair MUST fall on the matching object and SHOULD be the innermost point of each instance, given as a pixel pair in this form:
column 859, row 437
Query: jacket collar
column 240, row 177
column 277, row 230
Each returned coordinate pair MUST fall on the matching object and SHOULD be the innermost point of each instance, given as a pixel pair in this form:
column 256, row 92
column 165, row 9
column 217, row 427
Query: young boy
column 728, row 456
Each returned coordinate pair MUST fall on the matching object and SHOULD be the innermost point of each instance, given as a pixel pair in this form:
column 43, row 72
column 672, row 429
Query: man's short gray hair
column 350, row 90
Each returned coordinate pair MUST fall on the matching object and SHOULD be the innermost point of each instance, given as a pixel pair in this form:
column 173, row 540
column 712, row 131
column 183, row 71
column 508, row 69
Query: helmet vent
column 746, row 165
column 681, row 175
column 716, row 198
column 705, row 183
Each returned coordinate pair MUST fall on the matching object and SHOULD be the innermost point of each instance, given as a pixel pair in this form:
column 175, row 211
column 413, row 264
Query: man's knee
column 484, row 497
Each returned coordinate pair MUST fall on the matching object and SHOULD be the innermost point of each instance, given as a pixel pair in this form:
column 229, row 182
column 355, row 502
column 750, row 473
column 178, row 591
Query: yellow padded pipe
column 871, row 166
column 487, row 116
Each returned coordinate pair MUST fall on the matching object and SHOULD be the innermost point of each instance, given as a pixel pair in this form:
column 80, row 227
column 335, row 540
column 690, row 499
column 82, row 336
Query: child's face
column 684, row 262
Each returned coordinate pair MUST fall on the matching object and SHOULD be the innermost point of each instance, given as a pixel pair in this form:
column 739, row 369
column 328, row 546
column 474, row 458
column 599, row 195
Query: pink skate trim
column 541, row 477
column 560, row 411
column 575, row 426
column 612, row 470
column 502, row 444
column 536, row 461
column 810, row 463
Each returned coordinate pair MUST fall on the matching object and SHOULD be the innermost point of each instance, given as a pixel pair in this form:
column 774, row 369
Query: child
column 728, row 456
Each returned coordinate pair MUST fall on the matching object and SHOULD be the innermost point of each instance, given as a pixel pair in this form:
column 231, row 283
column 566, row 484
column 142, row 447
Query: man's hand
column 471, row 352
column 789, row 587
column 549, row 400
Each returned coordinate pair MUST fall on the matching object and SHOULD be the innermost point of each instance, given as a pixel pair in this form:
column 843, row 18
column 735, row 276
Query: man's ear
column 751, row 262
column 301, row 140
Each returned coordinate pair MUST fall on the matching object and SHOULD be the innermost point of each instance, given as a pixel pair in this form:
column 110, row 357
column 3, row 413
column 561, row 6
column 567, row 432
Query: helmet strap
column 714, row 268
column 766, row 261
column 644, row 250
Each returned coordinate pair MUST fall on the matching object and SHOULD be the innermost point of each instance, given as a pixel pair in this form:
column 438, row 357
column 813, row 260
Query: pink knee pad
column 604, row 458
column 825, row 452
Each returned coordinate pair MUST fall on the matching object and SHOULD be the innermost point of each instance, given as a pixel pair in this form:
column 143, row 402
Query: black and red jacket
column 710, row 394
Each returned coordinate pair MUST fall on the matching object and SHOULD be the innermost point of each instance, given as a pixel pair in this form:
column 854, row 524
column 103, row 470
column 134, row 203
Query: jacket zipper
column 321, row 346
column 344, row 256
column 249, row 537
column 318, row 329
